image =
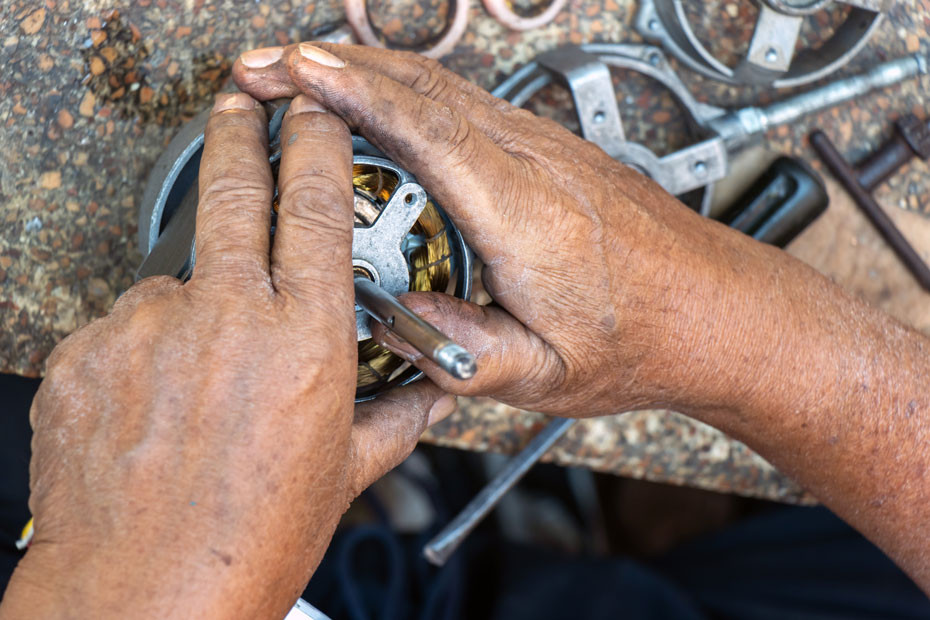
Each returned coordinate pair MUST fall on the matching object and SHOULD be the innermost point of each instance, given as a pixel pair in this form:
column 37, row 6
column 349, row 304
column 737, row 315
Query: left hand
column 195, row 449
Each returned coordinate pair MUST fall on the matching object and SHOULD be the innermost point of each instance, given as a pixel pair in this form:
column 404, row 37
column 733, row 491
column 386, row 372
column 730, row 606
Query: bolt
column 700, row 168
column 771, row 56
column 599, row 117
column 653, row 24
column 655, row 58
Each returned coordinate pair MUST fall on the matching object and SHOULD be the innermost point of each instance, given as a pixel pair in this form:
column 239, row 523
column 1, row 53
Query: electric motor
column 403, row 240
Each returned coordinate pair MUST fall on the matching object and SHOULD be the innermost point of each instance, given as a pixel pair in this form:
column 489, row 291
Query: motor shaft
column 422, row 336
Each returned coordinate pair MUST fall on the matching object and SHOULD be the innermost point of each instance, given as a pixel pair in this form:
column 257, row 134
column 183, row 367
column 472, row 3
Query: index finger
column 235, row 187
column 312, row 254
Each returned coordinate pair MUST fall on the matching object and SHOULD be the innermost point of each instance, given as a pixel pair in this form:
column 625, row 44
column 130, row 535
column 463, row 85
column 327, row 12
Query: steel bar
column 443, row 545
column 739, row 125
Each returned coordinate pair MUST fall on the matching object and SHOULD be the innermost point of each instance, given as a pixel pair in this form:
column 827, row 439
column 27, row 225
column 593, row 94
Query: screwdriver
column 432, row 343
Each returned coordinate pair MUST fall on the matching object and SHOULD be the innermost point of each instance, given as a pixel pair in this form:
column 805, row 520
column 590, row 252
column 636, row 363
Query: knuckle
column 310, row 187
column 358, row 110
column 428, row 80
column 225, row 191
column 144, row 289
column 461, row 141
column 146, row 319
column 239, row 120
column 319, row 199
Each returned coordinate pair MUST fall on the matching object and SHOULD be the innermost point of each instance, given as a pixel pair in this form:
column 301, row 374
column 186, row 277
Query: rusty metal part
column 848, row 176
column 357, row 14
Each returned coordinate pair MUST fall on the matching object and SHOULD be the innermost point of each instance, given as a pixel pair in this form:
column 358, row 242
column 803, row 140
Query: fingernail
column 442, row 409
column 398, row 346
column 320, row 56
column 303, row 103
column 233, row 101
column 262, row 57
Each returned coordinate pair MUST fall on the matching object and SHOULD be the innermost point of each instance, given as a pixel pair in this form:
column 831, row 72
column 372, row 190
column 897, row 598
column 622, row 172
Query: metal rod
column 847, row 176
column 911, row 138
column 422, row 336
column 443, row 545
column 737, row 126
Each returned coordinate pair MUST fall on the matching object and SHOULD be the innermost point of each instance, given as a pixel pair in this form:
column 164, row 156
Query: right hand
column 610, row 291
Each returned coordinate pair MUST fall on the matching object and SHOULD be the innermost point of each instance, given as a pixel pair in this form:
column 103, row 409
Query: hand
column 195, row 449
column 608, row 289
column 613, row 295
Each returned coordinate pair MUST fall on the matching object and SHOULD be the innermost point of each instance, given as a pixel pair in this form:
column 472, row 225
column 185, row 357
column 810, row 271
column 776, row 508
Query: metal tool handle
column 780, row 204
column 443, row 545
column 422, row 336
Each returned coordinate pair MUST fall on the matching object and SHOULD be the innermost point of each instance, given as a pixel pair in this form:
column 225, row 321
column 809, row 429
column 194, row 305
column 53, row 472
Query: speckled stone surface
column 92, row 90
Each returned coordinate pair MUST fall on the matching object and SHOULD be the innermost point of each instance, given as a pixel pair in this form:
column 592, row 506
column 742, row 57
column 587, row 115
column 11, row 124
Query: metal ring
column 665, row 22
column 803, row 8
column 501, row 11
column 357, row 15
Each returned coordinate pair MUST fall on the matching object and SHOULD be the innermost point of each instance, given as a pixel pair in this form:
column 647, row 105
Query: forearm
column 833, row 392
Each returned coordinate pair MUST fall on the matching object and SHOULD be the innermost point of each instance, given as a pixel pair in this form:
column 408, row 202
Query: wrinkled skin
column 602, row 279
column 612, row 295
column 194, row 450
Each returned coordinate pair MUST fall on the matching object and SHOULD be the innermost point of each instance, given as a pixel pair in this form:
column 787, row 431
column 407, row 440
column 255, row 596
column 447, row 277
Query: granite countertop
column 91, row 91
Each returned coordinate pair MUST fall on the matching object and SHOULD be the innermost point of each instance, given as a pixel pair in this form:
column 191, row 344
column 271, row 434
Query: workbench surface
column 89, row 98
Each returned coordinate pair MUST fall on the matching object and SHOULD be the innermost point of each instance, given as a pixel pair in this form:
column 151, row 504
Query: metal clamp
column 585, row 71
column 771, row 58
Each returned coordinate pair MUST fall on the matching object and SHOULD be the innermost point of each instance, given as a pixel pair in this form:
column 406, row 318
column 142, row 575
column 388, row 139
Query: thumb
column 386, row 430
column 515, row 365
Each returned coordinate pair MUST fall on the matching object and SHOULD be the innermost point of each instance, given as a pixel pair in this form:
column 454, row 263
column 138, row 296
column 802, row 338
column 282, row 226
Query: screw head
column 771, row 55
column 700, row 168
column 653, row 24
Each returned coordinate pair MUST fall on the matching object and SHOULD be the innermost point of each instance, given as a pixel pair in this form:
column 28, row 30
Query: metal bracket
column 585, row 71
column 377, row 249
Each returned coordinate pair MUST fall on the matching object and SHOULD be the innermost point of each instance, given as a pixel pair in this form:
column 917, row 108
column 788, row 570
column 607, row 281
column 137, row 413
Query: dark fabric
column 15, row 398
column 534, row 585
column 796, row 562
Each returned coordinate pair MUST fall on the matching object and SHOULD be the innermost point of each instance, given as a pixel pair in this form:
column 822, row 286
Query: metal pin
column 422, row 336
